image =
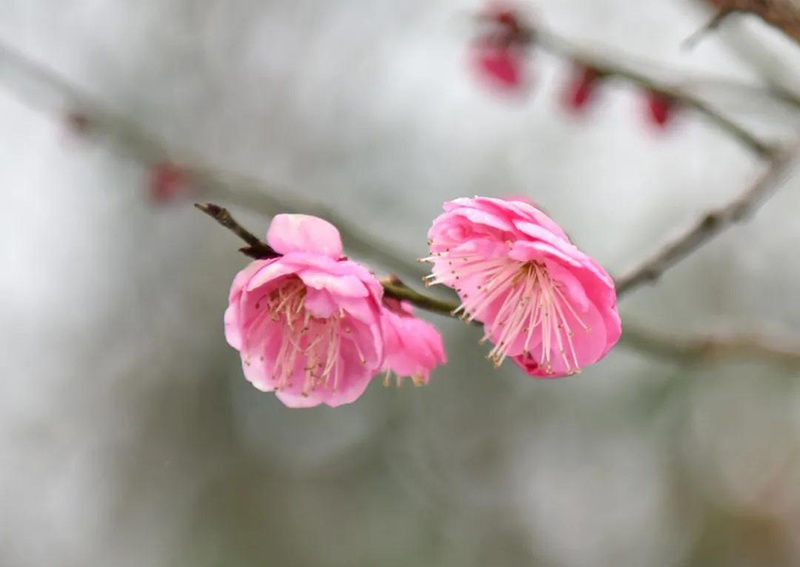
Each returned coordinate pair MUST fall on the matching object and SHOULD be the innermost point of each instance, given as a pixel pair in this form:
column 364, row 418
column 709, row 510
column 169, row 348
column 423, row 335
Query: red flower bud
column 500, row 51
column 503, row 68
column 660, row 108
column 581, row 89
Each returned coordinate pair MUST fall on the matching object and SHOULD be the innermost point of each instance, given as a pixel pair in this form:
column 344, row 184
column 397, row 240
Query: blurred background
column 128, row 435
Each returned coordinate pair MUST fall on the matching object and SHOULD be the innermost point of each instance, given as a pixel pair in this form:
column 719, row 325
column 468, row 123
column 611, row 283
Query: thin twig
column 270, row 200
column 708, row 226
column 607, row 68
column 394, row 287
column 769, row 90
column 713, row 24
column 255, row 249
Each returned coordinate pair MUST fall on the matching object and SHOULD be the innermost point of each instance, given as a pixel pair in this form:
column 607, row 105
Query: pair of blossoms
column 316, row 327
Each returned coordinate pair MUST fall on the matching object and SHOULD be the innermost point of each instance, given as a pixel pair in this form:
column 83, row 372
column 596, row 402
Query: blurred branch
column 44, row 88
column 711, row 348
column 715, row 22
column 782, row 14
column 38, row 86
column 608, row 68
column 766, row 60
column 709, row 225
column 770, row 89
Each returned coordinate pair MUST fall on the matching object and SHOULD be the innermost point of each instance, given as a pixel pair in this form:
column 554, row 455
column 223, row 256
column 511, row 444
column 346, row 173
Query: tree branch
column 713, row 24
column 147, row 148
column 711, row 348
column 255, row 249
column 782, row 14
column 608, row 68
column 685, row 350
column 44, row 88
column 394, row 287
column 708, row 226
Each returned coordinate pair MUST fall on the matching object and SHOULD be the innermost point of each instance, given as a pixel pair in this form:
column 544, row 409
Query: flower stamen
column 531, row 306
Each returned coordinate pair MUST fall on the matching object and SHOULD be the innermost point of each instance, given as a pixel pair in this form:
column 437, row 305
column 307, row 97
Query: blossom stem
column 394, row 287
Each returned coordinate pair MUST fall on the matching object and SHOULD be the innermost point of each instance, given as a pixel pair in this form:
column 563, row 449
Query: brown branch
column 701, row 349
column 253, row 193
column 255, row 248
column 782, row 14
column 260, row 197
column 394, row 287
column 709, row 225
column 711, row 348
column 713, row 24
column 608, row 68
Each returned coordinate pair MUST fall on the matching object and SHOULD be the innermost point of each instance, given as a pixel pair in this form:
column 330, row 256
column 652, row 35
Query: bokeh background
column 128, row 435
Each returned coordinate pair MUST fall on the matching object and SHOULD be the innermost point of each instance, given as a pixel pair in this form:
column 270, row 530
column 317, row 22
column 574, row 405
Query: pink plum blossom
column 543, row 302
column 413, row 346
column 307, row 323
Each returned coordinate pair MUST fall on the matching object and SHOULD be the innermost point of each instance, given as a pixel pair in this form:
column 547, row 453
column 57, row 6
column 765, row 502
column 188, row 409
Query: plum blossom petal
column 543, row 302
column 307, row 324
column 304, row 233
column 413, row 346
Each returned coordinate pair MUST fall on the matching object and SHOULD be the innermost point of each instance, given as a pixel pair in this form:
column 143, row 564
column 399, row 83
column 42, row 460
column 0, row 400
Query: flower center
column 518, row 302
column 314, row 342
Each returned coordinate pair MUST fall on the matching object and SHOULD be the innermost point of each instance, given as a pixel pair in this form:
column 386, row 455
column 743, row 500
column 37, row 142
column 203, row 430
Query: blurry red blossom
column 660, row 108
column 167, row 182
column 581, row 89
column 502, row 68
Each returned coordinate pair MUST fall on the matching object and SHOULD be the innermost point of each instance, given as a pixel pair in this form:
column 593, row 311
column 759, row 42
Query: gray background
column 128, row 435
